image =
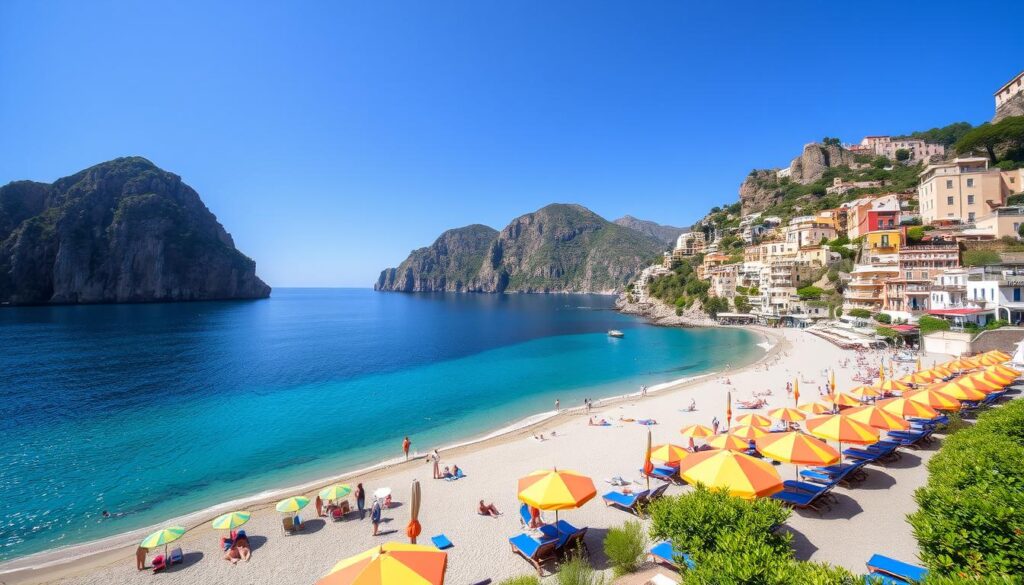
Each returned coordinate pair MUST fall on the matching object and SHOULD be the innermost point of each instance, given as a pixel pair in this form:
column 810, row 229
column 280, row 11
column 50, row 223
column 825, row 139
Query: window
column 880, row 224
column 949, row 183
column 949, row 200
column 970, row 200
column 970, row 182
column 970, row 216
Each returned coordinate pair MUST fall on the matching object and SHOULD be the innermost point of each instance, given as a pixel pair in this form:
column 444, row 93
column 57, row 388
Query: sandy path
column 869, row 518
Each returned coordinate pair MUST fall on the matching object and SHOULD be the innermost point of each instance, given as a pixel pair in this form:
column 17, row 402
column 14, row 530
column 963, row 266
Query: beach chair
column 290, row 525
column 524, row 516
column 159, row 563
column 533, row 550
column 663, row 473
column 337, row 514
column 441, row 541
column 801, row 499
column 663, row 553
column 176, row 557
column 862, row 455
column 821, row 490
column 629, row 502
column 889, row 570
column 572, row 539
column 657, row 492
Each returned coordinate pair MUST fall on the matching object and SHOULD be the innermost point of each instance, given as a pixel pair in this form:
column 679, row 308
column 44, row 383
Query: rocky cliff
column 121, row 231
column 815, row 159
column 664, row 233
column 759, row 191
column 559, row 248
column 1012, row 107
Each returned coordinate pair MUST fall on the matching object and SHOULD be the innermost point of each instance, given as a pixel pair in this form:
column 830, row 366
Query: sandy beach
column 845, row 536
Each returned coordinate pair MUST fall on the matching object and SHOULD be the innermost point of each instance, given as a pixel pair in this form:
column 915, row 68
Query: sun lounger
column 844, row 473
column 862, row 455
column 572, row 539
column 657, row 492
column 524, row 516
column 458, row 475
column 647, row 422
column 628, row 502
column 663, row 552
column 441, row 541
column 820, row 490
column 663, row 473
column 533, row 550
column 882, row 566
column 801, row 499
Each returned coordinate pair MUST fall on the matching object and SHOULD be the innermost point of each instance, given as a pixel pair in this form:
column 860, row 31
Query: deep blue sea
column 153, row 411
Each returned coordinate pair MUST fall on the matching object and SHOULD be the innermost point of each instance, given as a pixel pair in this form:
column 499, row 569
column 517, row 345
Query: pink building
column 887, row 146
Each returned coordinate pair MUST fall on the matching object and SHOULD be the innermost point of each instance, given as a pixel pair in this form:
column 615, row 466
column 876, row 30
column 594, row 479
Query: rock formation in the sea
column 665, row 233
column 121, row 231
column 559, row 248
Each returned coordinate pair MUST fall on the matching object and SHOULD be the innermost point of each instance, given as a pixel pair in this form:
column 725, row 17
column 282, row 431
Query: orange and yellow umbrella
column 934, row 399
column 878, row 418
column 748, row 432
column 815, row 408
column 939, row 372
column 999, row 355
column 796, row 448
column 892, row 386
column 960, row 390
column 553, row 489
column 743, row 476
column 838, row 427
column 730, row 442
column 755, row 420
column 1004, row 370
column 843, row 399
column 863, row 392
column 987, row 359
column 960, row 365
column 978, row 382
column 1002, row 380
column 669, row 453
column 787, row 414
column 918, row 378
column 697, row 431
column 907, row 408
column 391, row 563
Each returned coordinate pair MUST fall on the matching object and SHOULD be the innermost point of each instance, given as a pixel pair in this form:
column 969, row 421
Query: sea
column 151, row 411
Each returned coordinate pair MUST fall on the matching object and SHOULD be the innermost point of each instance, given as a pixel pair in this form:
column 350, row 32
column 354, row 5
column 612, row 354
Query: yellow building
column 883, row 241
column 960, row 191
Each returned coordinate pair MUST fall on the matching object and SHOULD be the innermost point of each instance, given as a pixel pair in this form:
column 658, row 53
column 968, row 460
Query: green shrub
column 883, row 318
column 980, row 258
column 810, row 293
column 521, row 580
column 859, row 313
column 576, row 570
column 970, row 520
column 625, row 547
column 932, row 324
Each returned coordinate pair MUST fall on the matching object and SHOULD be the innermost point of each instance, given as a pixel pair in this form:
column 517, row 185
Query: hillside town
column 889, row 260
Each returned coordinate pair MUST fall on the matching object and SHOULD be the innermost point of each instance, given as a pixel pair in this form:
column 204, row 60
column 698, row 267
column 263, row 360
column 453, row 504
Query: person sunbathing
column 447, row 474
column 233, row 555
column 244, row 550
column 488, row 509
column 455, row 470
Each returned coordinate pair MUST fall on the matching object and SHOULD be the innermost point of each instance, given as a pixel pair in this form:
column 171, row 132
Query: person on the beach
column 488, row 509
column 437, row 464
column 558, row 405
column 447, row 472
column 360, row 499
column 319, row 503
column 535, row 521
column 455, row 470
column 406, row 443
column 244, row 550
column 693, row 405
column 714, row 425
column 140, row 558
column 375, row 513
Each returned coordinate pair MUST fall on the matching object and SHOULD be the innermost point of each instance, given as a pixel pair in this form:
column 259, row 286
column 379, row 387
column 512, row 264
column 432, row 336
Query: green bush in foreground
column 625, row 547
column 522, row 580
column 576, row 570
column 970, row 521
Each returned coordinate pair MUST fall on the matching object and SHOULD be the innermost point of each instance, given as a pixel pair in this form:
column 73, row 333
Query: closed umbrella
column 391, row 563
column 728, row 408
column 413, row 529
column 648, row 466
column 743, row 476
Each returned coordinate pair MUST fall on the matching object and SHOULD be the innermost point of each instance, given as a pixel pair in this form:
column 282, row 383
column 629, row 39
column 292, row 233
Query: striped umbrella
column 960, row 390
column 1005, row 370
column 864, row 392
column 978, row 382
column 743, row 476
column 842, row 399
column 934, row 399
column 669, row 453
column 162, row 538
column 907, row 408
column 841, row 428
column 1001, row 379
column 697, row 431
column 940, row 372
column 1000, row 355
column 960, row 365
column 293, row 504
column 891, row 385
column 755, row 420
column 730, row 442
column 231, row 520
column 787, row 414
column 918, row 378
column 748, row 432
column 987, row 359
column 391, row 563
column 796, row 448
column 874, row 416
column 552, row 489
column 815, row 408
column 336, row 492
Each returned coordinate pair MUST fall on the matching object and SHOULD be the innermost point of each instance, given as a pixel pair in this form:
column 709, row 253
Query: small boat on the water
column 616, row 333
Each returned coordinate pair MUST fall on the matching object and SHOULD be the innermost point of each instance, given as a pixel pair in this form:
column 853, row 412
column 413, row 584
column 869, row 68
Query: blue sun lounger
column 628, row 502
column 536, row 552
column 890, row 571
column 797, row 499
column 662, row 552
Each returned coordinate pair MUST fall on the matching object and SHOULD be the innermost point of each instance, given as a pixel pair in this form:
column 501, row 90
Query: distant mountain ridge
column 558, row 248
column 665, row 233
column 121, row 231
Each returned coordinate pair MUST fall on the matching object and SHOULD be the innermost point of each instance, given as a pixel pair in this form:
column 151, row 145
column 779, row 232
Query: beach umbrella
column 553, row 489
column 987, row 359
column 960, row 390
column 1004, row 370
column 832, row 381
column 231, row 520
column 907, row 408
column 730, row 442
column 755, row 420
column 865, row 392
column 787, row 414
column 891, row 385
column 843, row 399
column 335, row 492
column 648, row 466
column 877, row 418
column 841, row 428
column 728, row 408
column 815, row 408
column 696, row 431
column 934, row 399
column 978, row 382
column 391, row 563
column 293, row 504
column 881, row 372
column 748, row 432
column 162, row 538
column 1002, row 356
column 960, row 365
column 796, row 448
column 413, row 529
column 796, row 390
column 669, row 453
column 743, row 476
column 1002, row 380
column 939, row 372
column 918, row 378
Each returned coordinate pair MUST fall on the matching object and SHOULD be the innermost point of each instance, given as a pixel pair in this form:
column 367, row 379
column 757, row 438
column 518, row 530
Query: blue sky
column 331, row 138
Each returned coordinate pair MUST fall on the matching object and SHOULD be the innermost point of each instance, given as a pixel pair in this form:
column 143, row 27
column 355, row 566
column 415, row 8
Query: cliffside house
column 841, row 187
column 809, row 230
column 689, row 244
column 870, row 214
column 887, row 146
column 1009, row 89
column 963, row 190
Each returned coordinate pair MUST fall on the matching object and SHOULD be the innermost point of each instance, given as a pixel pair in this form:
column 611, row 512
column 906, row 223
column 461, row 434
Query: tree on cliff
column 1005, row 136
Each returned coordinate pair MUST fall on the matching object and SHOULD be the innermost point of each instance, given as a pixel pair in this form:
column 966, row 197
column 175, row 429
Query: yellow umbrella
column 796, row 448
column 697, row 431
column 918, row 378
column 959, row 390
column 842, row 399
column 756, row 420
column 939, row 372
column 231, row 520
column 934, row 399
column 669, row 453
column 391, row 563
column 959, row 365
column 999, row 355
column 877, row 418
column 553, row 489
column 293, row 504
column 815, row 408
column 891, row 385
column 335, row 492
column 743, row 476
column 163, row 537
column 730, row 442
column 1003, row 380
column 987, row 359
column 841, row 428
column 907, row 408
column 787, row 414
column 864, row 392
column 748, row 432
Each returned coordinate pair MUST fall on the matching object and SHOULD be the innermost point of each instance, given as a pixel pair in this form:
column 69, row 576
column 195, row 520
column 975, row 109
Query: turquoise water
column 153, row 411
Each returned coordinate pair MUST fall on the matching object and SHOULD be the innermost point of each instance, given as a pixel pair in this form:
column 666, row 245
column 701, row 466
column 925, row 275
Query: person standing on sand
column 360, row 500
column 557, row 405
column 714, row 425
column 140, row 558
column 375, row 513
column 406, row 443
column 319, row 503
column 437, row 464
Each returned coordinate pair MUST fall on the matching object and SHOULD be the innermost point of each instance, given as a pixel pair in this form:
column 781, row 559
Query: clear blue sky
column 332, row 138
